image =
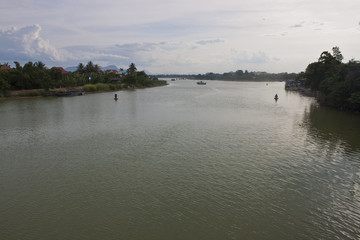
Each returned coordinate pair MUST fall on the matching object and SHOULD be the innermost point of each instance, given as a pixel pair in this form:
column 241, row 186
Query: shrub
column 102, row 87
column 114, row 87
column 90, row 88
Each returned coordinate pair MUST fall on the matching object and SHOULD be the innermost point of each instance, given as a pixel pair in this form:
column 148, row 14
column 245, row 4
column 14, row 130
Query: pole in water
column 116, row 97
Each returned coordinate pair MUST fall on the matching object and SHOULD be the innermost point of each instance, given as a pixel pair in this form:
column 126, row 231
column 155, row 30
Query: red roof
column 63, row 71
column 112, row 70
column 5, row 67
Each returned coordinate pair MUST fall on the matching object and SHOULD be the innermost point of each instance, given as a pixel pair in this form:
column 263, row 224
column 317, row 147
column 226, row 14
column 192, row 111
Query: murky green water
column 220, row 161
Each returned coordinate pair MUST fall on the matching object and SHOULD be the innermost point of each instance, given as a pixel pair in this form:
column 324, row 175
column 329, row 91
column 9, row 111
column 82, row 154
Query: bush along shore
column 35, row 80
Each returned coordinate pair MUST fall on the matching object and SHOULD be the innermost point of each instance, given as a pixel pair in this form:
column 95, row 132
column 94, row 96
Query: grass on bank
column 114, row 87
column 102, row 87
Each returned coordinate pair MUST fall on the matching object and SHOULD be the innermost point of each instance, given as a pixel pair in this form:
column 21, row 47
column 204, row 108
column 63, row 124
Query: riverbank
column 302, row 90
column 32, row 93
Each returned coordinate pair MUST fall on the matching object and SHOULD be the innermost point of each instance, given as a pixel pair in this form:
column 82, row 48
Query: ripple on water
column 220, row 162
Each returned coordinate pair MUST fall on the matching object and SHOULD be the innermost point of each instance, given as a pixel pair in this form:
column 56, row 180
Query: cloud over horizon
column 178, row 36
column 26, row 43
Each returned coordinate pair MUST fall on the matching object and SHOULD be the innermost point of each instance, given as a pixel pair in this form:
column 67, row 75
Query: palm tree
column 131, row 74
column 80, row 68
column 40, row 65
column 132, row 69
column 97, row 68
column 89, row 67
column 18, row 66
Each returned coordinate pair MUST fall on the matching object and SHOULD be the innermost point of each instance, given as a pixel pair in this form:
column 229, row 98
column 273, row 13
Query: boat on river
column 201, row 83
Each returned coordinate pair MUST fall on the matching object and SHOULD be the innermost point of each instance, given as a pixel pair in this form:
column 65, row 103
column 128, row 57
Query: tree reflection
column 333, row 126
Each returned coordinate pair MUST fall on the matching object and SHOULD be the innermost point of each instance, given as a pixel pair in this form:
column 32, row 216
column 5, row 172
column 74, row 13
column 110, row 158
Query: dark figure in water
column 276, row 97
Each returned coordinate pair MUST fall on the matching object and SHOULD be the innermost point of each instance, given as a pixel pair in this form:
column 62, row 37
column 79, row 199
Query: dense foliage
column 337, row 84
column 38, row 76
column 30, row 76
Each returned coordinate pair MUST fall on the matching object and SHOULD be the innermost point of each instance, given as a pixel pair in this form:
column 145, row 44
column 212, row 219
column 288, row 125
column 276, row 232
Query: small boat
column 173, row 79
column 201, row 83
column 80, row 93
column 276, row 97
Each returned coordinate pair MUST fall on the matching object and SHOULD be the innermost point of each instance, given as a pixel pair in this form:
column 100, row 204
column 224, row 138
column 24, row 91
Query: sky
column 179, row 36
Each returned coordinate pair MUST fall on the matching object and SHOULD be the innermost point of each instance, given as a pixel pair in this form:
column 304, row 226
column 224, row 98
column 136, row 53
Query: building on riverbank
column 294, row 84
column 4, row 68
column 298, row 86
column 63, row 71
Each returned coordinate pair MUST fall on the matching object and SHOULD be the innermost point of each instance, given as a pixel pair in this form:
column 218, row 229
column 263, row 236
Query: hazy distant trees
column 240, row 75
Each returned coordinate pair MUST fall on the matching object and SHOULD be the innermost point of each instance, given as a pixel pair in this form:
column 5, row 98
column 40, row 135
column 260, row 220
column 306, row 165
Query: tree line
column 336, row 84
column 38, row 76
column 238, row 75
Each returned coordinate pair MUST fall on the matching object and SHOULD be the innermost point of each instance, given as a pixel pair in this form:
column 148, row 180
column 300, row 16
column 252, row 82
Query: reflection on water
column 333, row 127
column 334, row 136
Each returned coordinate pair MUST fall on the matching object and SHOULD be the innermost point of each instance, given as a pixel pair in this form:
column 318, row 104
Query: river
column 184, row 161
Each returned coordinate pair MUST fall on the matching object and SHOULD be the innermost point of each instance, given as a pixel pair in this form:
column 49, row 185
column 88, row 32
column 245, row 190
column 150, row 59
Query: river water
column 218, row 161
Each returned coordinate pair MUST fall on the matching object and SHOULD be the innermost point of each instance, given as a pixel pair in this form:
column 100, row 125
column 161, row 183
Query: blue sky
column 179, row 36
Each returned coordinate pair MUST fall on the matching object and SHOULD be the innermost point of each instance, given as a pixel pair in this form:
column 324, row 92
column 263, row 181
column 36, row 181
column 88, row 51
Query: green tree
column 16, row 78
column 80, row 68
column 97, row 68
column 239, row 73
column 40, row 66
column 337, row 84
column 142, row 79
column 337, row 54
column 4, row 87
column 29, row 81
column 56, row 76
column 132, row 69
column 326, row 58
column 130, row 77
column 91, row 68
column 18, row 66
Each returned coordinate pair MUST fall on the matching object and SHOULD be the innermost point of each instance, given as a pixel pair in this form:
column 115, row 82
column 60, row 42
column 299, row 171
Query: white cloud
column 243, row 57
column 211, row 41
column 26, row 43
column 296, row 26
